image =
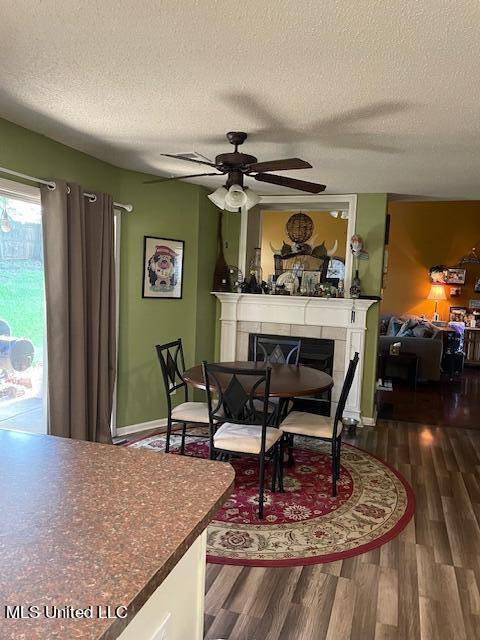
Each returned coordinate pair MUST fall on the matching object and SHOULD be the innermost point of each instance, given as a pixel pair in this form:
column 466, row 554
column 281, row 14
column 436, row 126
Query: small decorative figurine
column 356, row 245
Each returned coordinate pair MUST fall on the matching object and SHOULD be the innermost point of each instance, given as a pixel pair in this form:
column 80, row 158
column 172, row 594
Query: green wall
column 371, row 218
column 31, row 153
column 171, row 209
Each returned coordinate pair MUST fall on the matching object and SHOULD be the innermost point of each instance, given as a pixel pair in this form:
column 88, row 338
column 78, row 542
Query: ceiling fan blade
column 172, row 155
column 280, row 165
column 194, row 175
column 283, row 181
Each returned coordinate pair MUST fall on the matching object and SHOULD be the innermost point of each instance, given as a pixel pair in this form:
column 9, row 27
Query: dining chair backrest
column 231, row 393
column 347, row 385
column 276, row 350
column 172, row 365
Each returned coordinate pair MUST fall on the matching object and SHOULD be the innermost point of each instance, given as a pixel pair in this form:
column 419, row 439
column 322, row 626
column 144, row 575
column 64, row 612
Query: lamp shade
column 236, row 196
column 252, row 198
column 437, row 292
column 218, row 197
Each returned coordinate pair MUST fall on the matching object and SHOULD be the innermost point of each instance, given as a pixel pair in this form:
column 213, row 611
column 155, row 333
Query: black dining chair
column 172, row 365
column 312, row 425
column 236, row 425
column 276, row 350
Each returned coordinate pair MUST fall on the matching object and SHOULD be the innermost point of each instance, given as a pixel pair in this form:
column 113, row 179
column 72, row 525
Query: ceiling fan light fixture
column 218, row 197
column 236, row 196
column 252, row 198
column 231, row 209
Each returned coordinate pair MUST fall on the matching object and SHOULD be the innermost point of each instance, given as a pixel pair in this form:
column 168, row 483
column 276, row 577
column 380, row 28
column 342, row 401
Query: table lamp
column 437, row 292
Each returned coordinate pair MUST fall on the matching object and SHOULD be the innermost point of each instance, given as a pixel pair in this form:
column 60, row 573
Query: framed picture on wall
column 162, row 268
column 456, row 276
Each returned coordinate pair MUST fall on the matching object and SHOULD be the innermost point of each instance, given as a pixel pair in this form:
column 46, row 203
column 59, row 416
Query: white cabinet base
column 181, row 595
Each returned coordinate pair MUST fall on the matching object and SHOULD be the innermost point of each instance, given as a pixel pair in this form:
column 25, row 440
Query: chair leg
column 291, row 459
column 334, row 469
column 261, row 487
column 280, row 466
column 169, row 432
column 339, row 446
column 274, row 469
column 182, row 446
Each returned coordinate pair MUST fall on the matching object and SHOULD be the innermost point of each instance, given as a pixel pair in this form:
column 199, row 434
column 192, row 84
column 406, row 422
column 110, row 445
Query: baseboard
column 370, row 422
column 161, row 423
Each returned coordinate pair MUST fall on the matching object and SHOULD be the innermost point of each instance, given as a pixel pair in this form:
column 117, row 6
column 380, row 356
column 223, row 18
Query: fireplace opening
column 316, row 353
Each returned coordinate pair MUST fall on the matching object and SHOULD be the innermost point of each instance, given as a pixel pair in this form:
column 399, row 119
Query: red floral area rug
column 304, row 525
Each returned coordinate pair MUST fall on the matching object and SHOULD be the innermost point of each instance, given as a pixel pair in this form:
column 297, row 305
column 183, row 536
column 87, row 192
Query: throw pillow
column 422, row 331
column 406, row 330
column 394, row 326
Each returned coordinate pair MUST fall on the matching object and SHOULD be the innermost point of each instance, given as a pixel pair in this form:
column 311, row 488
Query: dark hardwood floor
column 423, row 585
column 449, row 403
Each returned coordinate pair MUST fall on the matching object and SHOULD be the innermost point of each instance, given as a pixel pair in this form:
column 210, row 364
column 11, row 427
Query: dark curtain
column 78, row 237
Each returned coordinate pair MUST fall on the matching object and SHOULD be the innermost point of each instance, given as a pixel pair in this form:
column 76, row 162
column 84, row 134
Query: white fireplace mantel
column 342, row 319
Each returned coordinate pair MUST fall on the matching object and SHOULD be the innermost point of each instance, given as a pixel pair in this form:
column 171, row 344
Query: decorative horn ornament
column 333, row 250
column 276, row 252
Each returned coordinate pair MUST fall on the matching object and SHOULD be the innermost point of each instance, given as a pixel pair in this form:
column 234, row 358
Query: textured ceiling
column 378, row 95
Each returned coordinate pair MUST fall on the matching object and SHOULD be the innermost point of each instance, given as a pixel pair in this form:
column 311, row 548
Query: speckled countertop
column 88, row 524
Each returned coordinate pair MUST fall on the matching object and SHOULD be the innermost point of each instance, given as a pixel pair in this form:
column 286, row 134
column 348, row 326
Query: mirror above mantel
column 331, row 224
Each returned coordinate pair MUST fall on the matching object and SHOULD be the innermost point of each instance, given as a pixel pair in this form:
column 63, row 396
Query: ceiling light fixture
column 234, row 198
column 252, row 198
column 218, row 197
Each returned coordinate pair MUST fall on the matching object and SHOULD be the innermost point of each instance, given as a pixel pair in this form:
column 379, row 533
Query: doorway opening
column 429, row 344
column 22, row 310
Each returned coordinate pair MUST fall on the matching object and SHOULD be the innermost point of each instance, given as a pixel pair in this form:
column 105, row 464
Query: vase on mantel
column 356, row 288
column 255, row 266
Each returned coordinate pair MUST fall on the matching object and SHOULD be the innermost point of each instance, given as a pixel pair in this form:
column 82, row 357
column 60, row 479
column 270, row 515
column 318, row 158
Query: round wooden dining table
column 287, row 380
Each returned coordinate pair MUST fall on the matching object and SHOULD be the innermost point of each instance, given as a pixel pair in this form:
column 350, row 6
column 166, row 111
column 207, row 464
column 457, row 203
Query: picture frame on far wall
column 456, row 275
column 458, row 314
column 162, row 268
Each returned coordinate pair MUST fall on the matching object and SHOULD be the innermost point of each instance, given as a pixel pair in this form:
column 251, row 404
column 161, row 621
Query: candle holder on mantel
column 254, row 283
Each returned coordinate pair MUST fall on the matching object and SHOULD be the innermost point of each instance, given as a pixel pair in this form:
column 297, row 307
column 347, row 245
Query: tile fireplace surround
column 243, row 314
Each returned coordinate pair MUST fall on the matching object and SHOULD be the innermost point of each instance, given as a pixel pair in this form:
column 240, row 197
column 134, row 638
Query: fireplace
column 340, row 320
column 317, row 353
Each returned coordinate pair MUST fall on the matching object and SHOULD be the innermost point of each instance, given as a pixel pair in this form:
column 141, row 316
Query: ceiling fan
column 236, row 166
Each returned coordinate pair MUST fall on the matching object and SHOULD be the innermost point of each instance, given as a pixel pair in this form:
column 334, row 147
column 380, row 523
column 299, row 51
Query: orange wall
column 423, row 234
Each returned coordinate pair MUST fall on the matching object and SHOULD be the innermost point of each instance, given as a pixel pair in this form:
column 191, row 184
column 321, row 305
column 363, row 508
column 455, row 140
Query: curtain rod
column 53, row 185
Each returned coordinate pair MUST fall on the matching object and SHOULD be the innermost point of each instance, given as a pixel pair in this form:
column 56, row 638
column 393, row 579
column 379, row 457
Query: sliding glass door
column 22, row 310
